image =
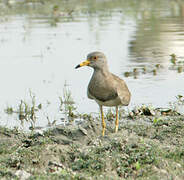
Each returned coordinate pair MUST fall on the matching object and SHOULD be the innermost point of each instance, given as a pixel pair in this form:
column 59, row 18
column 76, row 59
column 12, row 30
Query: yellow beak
column 85, row 63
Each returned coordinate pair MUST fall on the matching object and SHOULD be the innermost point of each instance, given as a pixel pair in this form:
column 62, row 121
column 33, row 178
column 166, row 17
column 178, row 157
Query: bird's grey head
column 96, row 60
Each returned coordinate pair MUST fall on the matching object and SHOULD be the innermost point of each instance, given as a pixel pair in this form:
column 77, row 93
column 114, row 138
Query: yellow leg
column 117, row 121
column 103, row 121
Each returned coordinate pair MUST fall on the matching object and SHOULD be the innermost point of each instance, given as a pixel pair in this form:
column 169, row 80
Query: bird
column 104, row 87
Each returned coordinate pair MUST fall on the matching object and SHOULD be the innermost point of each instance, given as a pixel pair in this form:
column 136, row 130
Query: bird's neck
column 104, row 70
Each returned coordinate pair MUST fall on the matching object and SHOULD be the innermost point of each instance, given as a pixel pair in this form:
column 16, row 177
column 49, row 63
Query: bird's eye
column 95, row 58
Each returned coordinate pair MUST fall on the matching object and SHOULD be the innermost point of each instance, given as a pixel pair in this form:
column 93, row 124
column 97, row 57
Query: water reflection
column 41, row 41
column 159, row 34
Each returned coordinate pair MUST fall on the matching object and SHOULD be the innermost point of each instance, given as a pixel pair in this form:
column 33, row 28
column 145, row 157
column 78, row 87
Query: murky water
column 41, row 43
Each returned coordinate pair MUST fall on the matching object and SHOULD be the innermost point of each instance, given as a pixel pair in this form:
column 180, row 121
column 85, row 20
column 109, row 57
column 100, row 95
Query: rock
column 84, row 131
column 59, row 165
column 55, row 167
column 23, row 175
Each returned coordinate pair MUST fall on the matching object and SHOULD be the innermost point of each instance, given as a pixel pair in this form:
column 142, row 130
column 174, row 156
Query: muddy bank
column 144, row 148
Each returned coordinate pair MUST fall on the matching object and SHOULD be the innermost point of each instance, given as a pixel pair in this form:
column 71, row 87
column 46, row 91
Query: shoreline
column 152, row 150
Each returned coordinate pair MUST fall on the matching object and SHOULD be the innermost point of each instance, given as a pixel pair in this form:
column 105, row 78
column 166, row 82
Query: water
column 39, row 50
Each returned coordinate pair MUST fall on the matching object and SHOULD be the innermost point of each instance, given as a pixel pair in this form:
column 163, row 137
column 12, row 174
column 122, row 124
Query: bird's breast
column 101, row 89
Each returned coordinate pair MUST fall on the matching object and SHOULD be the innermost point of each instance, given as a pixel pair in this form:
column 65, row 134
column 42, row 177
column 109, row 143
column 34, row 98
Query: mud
column 145, row 147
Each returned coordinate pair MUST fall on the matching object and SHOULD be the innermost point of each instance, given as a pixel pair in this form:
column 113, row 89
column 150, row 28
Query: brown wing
column 122, row 90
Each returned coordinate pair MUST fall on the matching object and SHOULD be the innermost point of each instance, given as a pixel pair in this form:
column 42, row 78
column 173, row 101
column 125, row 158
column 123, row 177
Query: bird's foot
column 103, row 131
column 116, row 129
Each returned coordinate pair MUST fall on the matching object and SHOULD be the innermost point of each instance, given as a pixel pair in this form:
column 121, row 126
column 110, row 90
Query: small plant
column 156, row 120
column 68, row 102
column 177, row 65
column 176, row 107
column 180, row 69
column 9, row 110
column 173, row 59
column 26, row 111
column 137, row 165
column 180, row 99
column 110, row 115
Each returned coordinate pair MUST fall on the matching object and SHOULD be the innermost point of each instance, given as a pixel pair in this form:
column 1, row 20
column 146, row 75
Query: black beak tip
column 77, row 66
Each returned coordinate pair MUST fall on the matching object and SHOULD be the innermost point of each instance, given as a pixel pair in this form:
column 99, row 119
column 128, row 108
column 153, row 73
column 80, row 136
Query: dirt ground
column 145, row 147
